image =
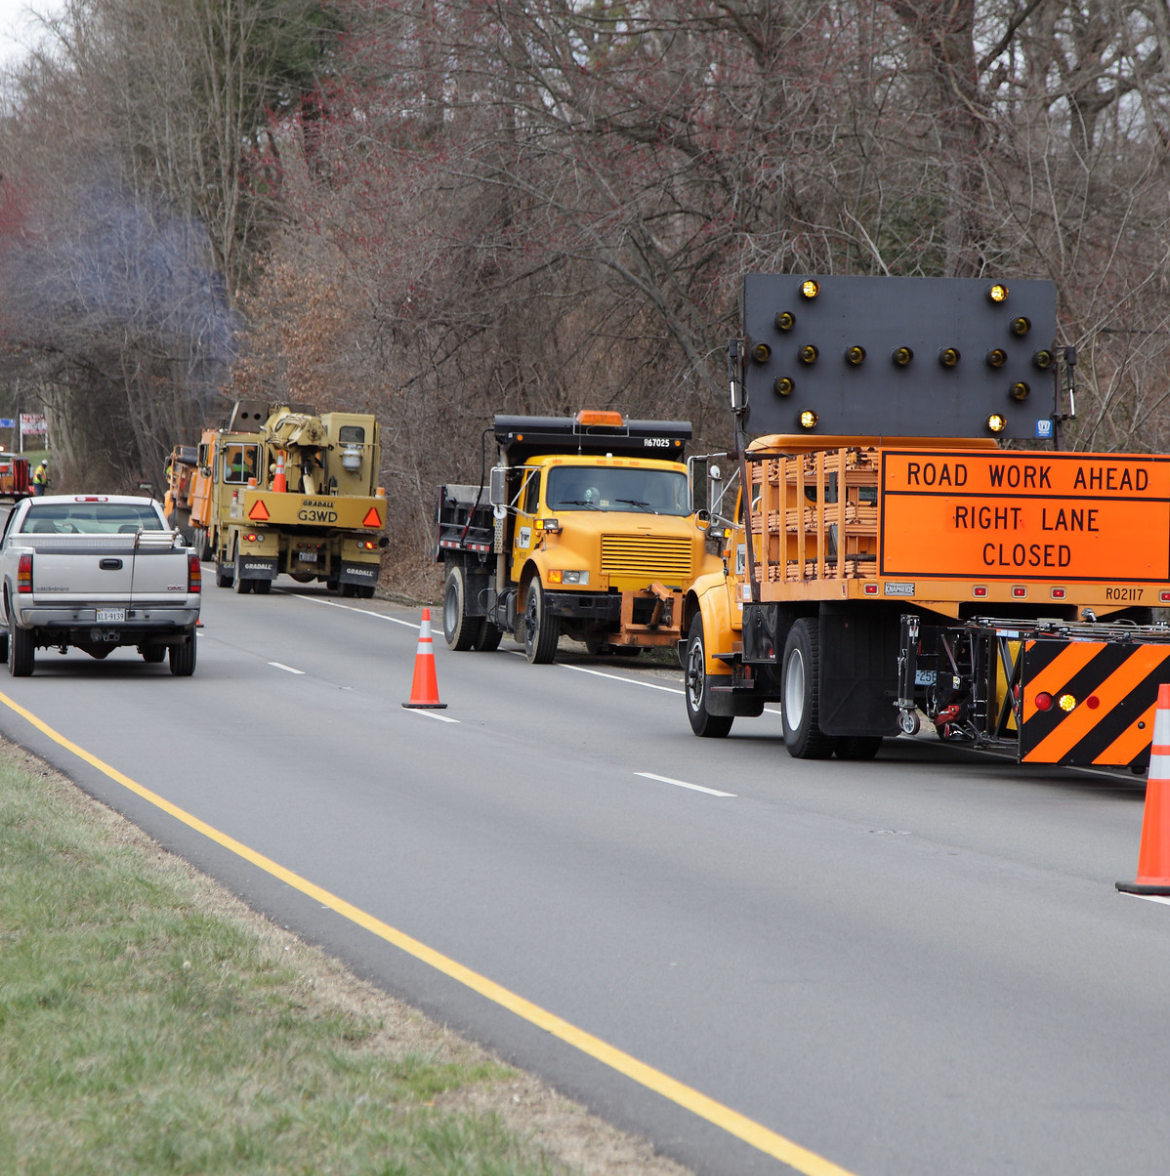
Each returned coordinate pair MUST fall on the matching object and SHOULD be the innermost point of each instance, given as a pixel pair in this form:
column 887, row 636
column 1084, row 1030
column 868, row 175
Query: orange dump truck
column 902, row 563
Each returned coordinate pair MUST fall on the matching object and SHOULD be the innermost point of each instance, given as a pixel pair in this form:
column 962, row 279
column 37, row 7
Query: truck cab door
column 525, row 537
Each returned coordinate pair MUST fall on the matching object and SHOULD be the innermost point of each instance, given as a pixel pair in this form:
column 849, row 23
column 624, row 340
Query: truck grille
column 647, row 557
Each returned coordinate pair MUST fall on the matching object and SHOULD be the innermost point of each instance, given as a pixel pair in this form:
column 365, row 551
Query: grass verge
column 149, row 1023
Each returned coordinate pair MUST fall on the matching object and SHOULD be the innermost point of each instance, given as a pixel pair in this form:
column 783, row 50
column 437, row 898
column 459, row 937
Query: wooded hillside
column 441, row 209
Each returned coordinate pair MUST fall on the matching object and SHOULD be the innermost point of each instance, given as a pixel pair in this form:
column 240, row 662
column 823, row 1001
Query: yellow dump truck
column 585, row 528
column 281, row 489
column 891, row 559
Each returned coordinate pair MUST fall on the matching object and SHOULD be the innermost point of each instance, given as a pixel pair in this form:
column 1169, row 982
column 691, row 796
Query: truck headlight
column 560, row 576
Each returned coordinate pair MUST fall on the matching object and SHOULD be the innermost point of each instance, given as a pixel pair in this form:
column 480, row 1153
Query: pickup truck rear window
column 90, row 518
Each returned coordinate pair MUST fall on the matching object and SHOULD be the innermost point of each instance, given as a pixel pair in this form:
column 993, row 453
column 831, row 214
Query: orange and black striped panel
column 1108, row 690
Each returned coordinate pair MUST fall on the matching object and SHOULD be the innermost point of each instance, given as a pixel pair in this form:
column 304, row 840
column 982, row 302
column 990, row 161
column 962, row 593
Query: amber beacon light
column 809, row 288
column 997, row 292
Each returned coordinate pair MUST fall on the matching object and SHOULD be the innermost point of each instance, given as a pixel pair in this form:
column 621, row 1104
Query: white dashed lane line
column 683, row 784
column 287, row 669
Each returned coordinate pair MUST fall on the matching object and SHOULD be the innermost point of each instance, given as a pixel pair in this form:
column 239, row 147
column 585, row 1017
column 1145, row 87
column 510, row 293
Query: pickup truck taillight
column 194, row 573
column 24, row 574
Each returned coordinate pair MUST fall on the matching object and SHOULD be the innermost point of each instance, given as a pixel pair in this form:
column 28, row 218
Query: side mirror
column 498, row 486
column 697, row 474
column 703, row 519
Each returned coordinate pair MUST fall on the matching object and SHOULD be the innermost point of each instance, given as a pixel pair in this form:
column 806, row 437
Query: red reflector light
column 1164, row 597
column 24, row 574
column 1058, row 593
column 870, row 589
column 372, row 519
column 1043, row 701
column 194, row 573
column 979, row 590
column 1092, row 702
column 1019, row 591
column 259, row 511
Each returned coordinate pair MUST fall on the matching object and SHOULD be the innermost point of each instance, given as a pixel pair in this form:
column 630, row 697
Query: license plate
column 307, row 556
column 110, row 616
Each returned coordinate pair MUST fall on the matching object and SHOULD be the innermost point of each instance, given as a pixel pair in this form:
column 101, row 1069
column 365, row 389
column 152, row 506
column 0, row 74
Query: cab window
column 240, row 462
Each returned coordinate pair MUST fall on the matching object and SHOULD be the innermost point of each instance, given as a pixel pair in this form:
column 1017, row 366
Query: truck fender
column 711, row 598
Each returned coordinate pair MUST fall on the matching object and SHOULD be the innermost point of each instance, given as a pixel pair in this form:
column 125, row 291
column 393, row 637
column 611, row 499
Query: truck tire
column 262, row 587
column 224, row 575
column 856, row 747
column 800, row 704
column 541, row 632
column 183, row 658
column 22, row 652
column 459, row 630
column 487, row 638
column 152, row 654
column 696, row 684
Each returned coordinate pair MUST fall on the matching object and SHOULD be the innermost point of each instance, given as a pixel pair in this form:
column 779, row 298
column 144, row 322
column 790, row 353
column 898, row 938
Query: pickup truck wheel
column 21, row 652
column 703, row 723
column 541, row 632
column 183, row 658
column 487, row 637
column 152, row 654
column 459, row 630
column 224, row 575
column 800, row 693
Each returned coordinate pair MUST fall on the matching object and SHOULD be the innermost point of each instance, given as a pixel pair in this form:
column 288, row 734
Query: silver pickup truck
column 95, row 572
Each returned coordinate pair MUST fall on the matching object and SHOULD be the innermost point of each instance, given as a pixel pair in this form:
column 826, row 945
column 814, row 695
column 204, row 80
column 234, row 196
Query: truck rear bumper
column 139, row 622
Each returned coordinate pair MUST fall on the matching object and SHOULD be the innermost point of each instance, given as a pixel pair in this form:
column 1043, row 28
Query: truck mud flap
column 859, row 670
column 256, row 567
column 1090, row 703
column 353, row 573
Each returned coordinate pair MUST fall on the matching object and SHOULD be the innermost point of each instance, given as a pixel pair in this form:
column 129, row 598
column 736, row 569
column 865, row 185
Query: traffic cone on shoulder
column 279, row 483
column 424, row 690
column 1153, row 874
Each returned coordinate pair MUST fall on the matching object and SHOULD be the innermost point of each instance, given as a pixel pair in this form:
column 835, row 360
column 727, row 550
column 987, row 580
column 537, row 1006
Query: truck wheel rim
column 532, row 618
column 450, row 610
column 794, row 691
column 695, row 675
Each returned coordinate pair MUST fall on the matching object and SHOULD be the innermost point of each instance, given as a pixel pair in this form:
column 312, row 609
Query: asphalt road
column 918, row 965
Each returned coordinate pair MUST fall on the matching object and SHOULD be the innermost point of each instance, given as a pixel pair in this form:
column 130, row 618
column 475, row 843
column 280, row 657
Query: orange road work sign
column 1024, row 514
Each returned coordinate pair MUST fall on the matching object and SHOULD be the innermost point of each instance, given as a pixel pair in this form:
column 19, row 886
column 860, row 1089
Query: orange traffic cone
column 1153, row 875
column 279, row 484
column 424, row 690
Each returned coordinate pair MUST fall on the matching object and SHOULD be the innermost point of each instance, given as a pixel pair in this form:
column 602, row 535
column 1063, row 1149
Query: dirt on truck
column 896, row 561
column 585, row 529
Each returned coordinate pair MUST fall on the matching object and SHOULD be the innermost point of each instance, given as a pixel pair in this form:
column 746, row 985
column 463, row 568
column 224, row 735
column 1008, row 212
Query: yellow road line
column 751, row 1132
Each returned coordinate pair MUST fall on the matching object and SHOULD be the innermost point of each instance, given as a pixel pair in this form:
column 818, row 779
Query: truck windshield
column 645, row 491
column 90, row 518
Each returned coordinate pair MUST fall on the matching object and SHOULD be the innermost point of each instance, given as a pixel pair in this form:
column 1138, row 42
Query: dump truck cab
column 585, row 529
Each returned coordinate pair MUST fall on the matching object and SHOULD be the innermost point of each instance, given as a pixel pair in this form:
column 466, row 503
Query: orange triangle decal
column 372, row 519
column 259, row 511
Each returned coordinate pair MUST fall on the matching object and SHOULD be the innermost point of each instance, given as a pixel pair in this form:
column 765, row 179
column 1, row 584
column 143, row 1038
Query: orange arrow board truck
column 891, row 560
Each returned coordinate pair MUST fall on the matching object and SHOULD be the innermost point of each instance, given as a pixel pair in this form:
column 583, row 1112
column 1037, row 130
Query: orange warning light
column 259, row 511
column 372, row 519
